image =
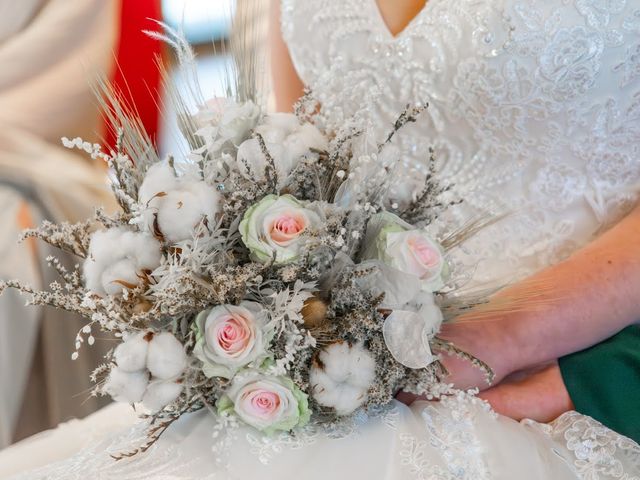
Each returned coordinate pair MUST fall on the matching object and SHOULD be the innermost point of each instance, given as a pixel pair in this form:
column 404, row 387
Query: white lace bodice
column 534, row 108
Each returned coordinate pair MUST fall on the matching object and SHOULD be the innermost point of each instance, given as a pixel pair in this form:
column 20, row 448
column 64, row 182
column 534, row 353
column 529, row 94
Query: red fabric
column 136, row 74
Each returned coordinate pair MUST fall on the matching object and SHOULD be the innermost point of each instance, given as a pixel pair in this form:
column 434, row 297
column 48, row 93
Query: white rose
column 275, row 226
column 411, row 251
column 119, row 258
column 174, row 206
column 266, row 403
column 221, row 121
column 231, row 337
column 286, row 139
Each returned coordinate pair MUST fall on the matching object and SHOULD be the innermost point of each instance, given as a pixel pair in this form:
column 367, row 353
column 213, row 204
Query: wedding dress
column 534, row 109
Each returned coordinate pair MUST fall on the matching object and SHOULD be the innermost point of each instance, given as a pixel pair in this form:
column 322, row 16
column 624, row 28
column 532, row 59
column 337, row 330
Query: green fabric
column 604, row 381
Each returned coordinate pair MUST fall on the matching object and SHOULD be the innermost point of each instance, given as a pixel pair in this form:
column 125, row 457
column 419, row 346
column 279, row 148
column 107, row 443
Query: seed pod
column 314, row 312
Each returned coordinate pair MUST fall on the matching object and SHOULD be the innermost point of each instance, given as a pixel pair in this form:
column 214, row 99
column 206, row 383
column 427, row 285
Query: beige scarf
column 50, row 51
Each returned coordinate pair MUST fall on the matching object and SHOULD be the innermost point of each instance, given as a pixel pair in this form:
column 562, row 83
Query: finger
column 406, row 397
column 541, row 396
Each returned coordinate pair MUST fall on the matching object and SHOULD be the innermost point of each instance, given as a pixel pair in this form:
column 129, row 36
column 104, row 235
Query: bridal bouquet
column 264, row 275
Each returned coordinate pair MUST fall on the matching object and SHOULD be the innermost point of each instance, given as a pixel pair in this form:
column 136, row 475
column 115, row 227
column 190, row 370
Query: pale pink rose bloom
column 232, row 333
column 286, row 227
column 260, row 403
column 412, row 253
column 425, row 253
column 231, row 337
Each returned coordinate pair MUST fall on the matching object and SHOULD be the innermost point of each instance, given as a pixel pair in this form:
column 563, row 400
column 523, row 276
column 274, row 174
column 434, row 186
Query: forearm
column 287, row 86
column 585, row 299
column 560, row 310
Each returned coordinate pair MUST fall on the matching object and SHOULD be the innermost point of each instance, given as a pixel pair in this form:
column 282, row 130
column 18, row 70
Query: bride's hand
column 487, row 341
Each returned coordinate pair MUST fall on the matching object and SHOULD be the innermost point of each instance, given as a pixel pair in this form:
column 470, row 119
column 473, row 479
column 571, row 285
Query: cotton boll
column 119, row 275
column 117, row 258
column 159, row 394
column 277, row 126
column 344, row 398
column 342, row 377
column 176, row 205
column 128, row 387
column 301, row 141
column 160, row 177
column 146, row 251
column 166, row 358
column 249, row 154
column 131, row 355
column 182, row 210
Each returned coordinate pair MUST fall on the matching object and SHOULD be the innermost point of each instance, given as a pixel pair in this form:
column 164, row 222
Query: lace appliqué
column 450, row 431
column 599, row 453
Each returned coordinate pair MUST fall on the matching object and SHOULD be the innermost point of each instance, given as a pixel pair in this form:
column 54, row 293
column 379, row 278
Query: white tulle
column 456, row 439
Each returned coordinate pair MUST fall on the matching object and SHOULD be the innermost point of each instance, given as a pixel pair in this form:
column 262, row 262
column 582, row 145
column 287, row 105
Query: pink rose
column 415, row 253
column 260, row 403
column 231, row 337
column 275, row 227
column 266, row 403
column 286, row 226
column 408, row 250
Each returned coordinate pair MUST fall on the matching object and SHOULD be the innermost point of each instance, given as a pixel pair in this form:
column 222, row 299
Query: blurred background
column 51, row 51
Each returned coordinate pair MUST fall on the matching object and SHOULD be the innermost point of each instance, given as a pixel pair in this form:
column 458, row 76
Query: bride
column 534, row 109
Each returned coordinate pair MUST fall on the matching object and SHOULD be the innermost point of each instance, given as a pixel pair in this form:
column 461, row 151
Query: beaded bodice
column 534, row 109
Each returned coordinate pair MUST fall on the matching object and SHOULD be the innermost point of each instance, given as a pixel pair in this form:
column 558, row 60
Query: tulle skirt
column 459, row 438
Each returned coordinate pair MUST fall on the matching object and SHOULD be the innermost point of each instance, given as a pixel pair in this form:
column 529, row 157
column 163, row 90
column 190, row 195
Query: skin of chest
column 397, row 14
